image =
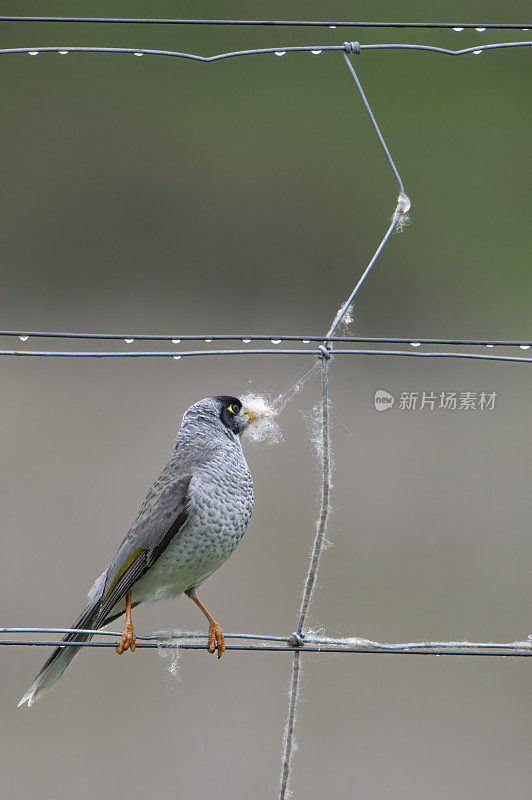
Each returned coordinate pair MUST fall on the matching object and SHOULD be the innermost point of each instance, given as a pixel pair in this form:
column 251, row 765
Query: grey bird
column 192, row 519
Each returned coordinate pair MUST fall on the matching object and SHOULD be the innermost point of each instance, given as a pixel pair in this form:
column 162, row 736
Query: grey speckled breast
column 221, row 502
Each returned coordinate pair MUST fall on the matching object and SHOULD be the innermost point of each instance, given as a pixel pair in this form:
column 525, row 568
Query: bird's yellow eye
column 233, row 408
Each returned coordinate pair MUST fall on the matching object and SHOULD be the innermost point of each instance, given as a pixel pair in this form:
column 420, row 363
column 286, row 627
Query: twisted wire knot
column 352, row 47
column 296, row 640
column 324, row 352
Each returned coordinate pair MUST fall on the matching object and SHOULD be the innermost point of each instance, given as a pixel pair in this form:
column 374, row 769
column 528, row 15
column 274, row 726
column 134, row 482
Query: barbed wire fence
column 325, row 351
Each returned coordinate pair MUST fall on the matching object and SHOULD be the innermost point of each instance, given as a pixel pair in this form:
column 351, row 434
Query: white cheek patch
column 263, row 428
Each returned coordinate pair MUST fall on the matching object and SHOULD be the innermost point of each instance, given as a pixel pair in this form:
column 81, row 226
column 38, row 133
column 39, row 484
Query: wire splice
column 352, row 47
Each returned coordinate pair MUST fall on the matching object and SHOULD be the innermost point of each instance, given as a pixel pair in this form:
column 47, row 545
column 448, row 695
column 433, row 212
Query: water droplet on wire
column 139, row 55
column 305, row 341
column 332, row 26
column 24, row 338
column 275, row 341
column 33, row 53
column 490, row 345
column 480, row 30
column 524, row 346
column 63, row 52
column 176, row 341
column 477, row 52
column 316, row 52
column 415, row 344
column 176, row 358
column 129, row 341
column 458, row 29
column 246, row 341
column 280, row 53
column 208, row 341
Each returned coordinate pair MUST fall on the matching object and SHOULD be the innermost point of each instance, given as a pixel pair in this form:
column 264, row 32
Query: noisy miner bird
column 192, row 519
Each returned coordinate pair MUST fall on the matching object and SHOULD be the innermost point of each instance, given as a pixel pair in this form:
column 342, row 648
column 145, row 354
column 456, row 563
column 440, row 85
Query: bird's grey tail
column 61, row 657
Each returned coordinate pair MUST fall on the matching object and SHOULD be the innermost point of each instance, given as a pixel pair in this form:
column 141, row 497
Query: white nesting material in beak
column 262, row 425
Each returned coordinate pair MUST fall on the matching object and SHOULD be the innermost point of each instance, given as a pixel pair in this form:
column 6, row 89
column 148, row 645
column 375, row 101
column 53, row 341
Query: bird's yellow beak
column 256, row 411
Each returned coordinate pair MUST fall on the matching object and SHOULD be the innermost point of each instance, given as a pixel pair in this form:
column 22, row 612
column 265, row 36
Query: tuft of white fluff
column 344, row 318
column 168, row 647
column 317, row 636
column 349, row 316
column 314, row 422
column 263, row 428
column 402, row 208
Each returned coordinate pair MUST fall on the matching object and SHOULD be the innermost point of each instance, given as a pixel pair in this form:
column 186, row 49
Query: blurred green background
column 158, row 195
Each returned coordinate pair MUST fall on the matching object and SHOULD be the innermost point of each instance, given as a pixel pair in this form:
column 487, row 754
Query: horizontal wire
column 408, row 354
column 281, row 649
column 311, row 643
column 309, row 637
column 275, row 338
column 276, row 23
column 253, row 352
column 147, row 637
column 242, row 337
column 282, row 50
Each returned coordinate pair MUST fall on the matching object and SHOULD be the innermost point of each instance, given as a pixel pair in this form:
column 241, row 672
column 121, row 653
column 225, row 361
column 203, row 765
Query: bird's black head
column 230, row 413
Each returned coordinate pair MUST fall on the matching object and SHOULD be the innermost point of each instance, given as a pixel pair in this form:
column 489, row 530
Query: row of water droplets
column 457, row 29
column 24, row 337
column 316, row 52
column 66, row 52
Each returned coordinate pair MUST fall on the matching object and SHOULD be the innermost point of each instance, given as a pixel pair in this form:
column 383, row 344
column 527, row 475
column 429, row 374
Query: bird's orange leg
column 216, row 634
column 128, row 637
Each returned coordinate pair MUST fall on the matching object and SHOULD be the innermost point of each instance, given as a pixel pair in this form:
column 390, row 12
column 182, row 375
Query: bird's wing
column 161, row 517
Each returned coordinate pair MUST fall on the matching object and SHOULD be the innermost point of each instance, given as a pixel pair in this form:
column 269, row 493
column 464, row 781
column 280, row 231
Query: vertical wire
column 289, row 728
column 317, row 548
column 402, row 207
column 323, row 517
column 343, row 310
column 373, row 121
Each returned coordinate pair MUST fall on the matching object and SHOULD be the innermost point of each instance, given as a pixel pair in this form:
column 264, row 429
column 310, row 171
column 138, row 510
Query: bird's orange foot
column 216, row 639
column 128, row 639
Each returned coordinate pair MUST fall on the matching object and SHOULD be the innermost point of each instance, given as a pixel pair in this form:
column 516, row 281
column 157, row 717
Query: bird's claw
column 216, row 639
column 128, row 639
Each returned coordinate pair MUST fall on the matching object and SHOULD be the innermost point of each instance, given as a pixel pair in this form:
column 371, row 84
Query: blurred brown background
column 156, row 195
